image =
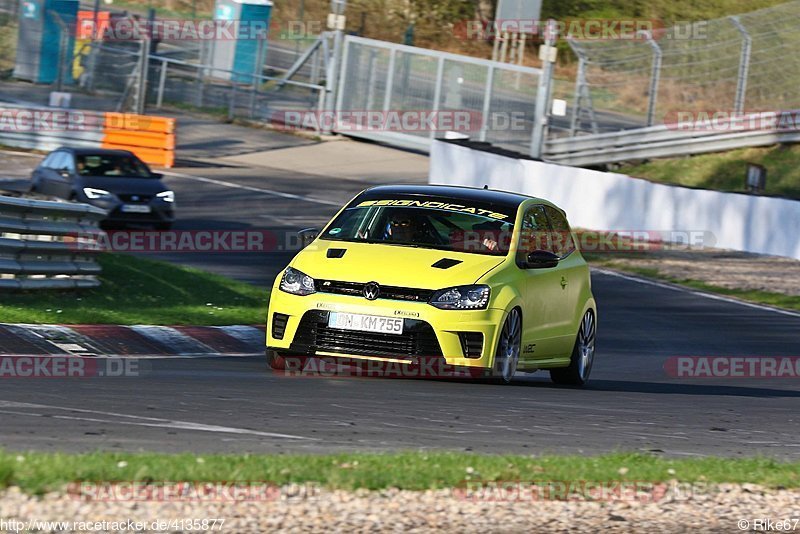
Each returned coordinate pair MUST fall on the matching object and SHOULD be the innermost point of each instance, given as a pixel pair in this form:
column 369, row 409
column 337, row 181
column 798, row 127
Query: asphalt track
column 236, row 405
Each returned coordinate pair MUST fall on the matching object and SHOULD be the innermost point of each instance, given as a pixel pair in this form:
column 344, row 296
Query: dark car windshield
column 443, row 224
column 111, row 165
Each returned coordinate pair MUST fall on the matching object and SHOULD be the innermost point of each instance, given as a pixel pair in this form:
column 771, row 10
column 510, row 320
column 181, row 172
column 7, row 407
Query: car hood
column 392, row 265
column 121, row 184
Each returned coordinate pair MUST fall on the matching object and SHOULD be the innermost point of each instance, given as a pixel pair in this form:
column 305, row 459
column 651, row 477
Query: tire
column 506, row 356
column 582, row 359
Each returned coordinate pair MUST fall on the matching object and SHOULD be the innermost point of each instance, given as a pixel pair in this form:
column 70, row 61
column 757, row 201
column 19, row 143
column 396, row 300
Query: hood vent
column 336, row 252
column 445, row 263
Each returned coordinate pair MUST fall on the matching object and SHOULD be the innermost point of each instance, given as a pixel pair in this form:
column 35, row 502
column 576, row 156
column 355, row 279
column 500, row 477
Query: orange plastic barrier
column 151, row 138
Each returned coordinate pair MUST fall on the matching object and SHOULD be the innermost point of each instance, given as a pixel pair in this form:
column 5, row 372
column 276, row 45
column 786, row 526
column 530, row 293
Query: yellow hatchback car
column 475, row 279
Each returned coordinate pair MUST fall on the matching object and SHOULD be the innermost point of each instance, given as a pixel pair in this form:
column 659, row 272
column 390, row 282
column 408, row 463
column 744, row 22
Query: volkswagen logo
column 372, row 290
column 135, row 198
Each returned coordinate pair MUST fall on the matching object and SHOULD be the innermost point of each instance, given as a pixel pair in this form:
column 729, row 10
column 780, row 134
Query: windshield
column 111, row 165
column 441, row 224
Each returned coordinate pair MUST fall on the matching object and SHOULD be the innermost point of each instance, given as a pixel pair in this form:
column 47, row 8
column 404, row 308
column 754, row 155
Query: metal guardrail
column 657, row 142
column 48, row 245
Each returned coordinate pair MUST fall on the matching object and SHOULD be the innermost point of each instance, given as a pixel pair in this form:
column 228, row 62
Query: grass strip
column 142, row 291
column 37, row 473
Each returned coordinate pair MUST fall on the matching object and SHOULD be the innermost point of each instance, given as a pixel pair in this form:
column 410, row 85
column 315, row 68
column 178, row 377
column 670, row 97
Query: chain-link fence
column 496, row 99
column 120, row 74
column 734, row 64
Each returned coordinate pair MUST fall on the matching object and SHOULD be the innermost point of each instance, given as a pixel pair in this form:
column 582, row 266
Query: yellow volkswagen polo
column 475, row 279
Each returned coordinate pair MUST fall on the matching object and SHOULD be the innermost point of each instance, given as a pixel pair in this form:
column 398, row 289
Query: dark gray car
column 115, row 180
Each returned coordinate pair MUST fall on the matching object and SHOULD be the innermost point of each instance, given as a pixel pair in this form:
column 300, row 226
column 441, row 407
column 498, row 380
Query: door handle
column 563, row 282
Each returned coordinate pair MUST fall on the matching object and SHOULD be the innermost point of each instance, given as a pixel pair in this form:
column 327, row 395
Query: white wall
column 607, row 201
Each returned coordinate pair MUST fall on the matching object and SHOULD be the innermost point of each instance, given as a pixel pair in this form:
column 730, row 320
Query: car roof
column 96, row 151
column 460, row 193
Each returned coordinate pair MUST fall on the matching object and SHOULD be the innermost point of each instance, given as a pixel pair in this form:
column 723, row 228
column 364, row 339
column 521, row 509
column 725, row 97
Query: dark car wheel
column 580, row 365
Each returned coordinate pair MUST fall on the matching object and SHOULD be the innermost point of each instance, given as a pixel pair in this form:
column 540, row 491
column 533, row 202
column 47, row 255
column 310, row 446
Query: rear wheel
column 580, row 365
column 508, row 347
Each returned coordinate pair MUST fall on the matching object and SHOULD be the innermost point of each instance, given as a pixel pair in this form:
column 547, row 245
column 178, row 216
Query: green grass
column 778, row 300
column 42, row 472
column 142, row 291
column 726, row 171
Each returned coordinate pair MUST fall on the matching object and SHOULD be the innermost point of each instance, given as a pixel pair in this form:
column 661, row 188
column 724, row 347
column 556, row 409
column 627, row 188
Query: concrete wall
column 616, row 202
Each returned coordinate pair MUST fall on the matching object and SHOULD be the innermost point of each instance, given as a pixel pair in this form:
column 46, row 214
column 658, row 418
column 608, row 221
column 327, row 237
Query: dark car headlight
column 474, row 297
column 297, row 282
column 98, row 194
column 166, row 196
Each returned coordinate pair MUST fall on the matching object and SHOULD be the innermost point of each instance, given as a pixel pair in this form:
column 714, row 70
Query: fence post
column 335, row 105
column 744, row 65
column 437, row 92
column 387, row 97
column 580, row 81
column 540, row 112
column 338, row 8
column 162, row 82
column 371, row 78
column 232, row 102
column 144, row 63
column 487, row 103
column 655, row 78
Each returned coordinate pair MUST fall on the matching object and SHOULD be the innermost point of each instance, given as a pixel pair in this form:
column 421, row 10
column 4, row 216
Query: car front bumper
column 297, row 325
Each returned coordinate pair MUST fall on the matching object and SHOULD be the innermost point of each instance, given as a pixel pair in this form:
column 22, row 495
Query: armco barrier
column 39, row 247
column 151, row 138
column 615, row 202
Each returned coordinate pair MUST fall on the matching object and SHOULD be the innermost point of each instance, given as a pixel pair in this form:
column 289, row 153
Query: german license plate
column 135, row 208
column 365, row 323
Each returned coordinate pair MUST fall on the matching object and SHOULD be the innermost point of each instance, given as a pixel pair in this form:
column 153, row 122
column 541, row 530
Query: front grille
column 471, row 344
column 314, row 335
column 279, row 321
column 387, row 292
column 143, row 199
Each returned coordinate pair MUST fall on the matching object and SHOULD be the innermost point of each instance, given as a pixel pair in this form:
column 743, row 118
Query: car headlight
column 95, row 194
column 461, row 298
column 167, row 196
column 297, row 282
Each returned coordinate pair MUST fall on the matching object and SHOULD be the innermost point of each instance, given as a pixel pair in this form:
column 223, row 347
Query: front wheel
column 580, row 365
column 508, row 347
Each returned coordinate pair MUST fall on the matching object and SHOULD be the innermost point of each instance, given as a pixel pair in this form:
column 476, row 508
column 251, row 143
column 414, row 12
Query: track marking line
column 147, row 421
column 250, row 188
column 665, row 285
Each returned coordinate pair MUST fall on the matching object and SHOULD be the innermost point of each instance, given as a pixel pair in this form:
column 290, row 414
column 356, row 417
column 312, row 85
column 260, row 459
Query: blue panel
column 50, row 47
column 246, row 53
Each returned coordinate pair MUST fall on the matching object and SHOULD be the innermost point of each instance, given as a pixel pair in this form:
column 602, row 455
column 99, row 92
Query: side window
column 59, row 161
column 48, row 161
column 561, row 239
column 69, row 163
column 535, row 234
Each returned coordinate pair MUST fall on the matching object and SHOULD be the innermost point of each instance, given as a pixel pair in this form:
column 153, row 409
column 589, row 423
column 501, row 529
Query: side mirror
column 64, row 173
column 542, row 259
column 307, row 236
